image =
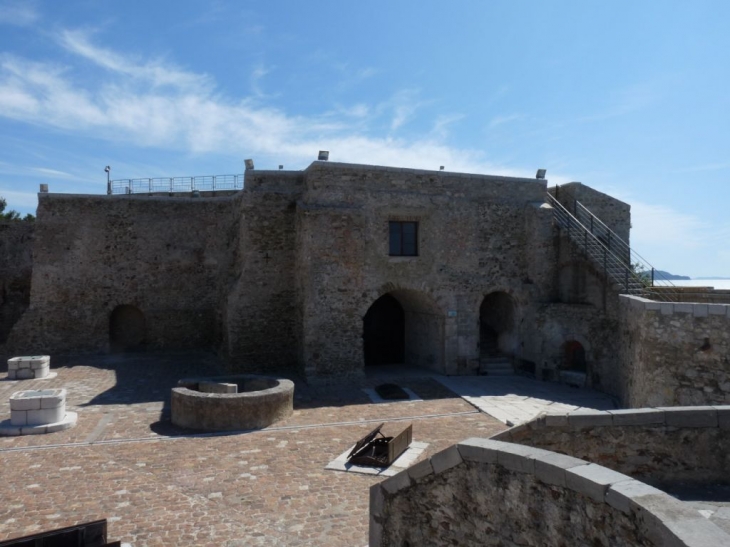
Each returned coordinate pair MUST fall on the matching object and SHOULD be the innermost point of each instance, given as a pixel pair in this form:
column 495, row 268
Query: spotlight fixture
column 324, row 155
column 541, row 173
column 281, row 167
column 249, row 164
column 441, row 168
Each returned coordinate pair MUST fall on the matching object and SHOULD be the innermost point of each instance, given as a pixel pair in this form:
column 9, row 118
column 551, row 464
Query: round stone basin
column 230, row 403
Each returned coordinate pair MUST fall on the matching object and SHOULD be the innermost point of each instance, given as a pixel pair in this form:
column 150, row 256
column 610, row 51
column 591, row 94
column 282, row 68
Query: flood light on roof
column 281, row 167
column 249, row 164
column 541, row 173
column 441, row 168
column 324, row 155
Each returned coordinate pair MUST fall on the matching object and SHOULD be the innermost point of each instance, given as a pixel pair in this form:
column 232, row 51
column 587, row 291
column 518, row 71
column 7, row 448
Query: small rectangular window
column 403, row 238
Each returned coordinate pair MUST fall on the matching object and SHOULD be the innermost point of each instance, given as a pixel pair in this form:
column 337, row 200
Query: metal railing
column 622, row 266
column 202, row 183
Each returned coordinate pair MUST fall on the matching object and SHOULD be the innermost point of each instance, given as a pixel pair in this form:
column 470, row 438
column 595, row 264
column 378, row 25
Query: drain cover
column 391, row 392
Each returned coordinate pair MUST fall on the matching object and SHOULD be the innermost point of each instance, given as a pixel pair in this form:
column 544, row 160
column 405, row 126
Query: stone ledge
column 677, row 416
column 670, row 308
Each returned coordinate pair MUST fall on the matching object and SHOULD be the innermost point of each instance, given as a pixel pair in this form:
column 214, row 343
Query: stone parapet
column 687, row 443
column 502, row 484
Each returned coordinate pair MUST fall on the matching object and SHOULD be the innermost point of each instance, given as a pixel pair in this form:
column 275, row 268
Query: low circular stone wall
column 260, row 401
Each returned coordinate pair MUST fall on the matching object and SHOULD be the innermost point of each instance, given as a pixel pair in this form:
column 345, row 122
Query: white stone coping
column 37, row 399
column 662, row 519
column 670, row 308
column 717, row 416
column 31, row 362
column 402, row 462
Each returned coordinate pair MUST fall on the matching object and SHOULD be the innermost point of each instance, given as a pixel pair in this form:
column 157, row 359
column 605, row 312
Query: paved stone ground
column 159, row 485
column 515, row 399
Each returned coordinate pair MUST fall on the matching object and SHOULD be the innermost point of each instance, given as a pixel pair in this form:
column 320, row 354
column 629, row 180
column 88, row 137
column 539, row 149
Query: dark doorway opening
column 384, row 331
column 497, row 325
column 126, row 329
column 574, row 357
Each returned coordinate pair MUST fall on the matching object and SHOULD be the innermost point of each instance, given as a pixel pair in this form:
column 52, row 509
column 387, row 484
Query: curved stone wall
column 486, row 492
column 260, row 401
column 656, row 445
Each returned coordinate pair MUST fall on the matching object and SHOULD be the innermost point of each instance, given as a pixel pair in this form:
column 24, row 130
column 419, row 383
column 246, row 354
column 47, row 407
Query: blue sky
column 631, row 98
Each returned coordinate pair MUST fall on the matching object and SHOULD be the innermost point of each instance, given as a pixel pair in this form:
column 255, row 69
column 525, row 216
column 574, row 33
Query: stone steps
column 496, row 366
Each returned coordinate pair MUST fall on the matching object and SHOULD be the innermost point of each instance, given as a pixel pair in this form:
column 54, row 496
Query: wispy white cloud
column 52, row 173
column 18, row 13
column 156, row 104
column 624, row 101
column 500, row 120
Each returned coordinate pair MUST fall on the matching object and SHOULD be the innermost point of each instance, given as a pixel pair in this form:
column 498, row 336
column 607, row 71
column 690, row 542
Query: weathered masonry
column 329, row 270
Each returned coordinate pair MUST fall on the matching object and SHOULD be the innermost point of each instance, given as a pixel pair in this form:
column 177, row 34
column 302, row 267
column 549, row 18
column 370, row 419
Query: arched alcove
column 574, row 357
column 127, row 328
column 404, row 327
column 497, row 336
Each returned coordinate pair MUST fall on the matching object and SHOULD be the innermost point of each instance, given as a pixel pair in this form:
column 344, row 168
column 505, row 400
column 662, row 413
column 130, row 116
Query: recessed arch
column 497, row 326
column 405, row 326
column 127, row 328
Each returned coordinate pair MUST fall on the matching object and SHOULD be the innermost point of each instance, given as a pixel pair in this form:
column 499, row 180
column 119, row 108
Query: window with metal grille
column 403, row 238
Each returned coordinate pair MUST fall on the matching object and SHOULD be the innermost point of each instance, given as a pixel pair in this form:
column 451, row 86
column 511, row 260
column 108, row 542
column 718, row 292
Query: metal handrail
column 615, row 268
column 176, row 184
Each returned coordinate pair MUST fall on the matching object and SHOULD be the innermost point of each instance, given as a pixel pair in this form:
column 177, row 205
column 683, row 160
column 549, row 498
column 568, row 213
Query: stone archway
column 384, row 332
column 574, row 357
column 407, row 327
column 127, row 328
column 497, row 332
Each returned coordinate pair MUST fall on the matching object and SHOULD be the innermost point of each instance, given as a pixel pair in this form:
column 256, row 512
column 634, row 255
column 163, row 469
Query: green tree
column 12, row 214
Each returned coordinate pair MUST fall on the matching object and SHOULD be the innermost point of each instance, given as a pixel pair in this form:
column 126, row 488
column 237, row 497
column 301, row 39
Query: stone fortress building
column 339, row 267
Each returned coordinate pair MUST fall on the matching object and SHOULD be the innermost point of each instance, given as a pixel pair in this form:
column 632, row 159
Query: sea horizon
column 718, row 284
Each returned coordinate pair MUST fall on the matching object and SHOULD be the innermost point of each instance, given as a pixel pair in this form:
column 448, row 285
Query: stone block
column 396, row 482
column 593, row 480
column 551, row 468
column 519, row 458
column 587, row 418
column 683, row 308
column 19, row 402
column 690, row 416
column 46, row 415
column 19, row 417
column 653, row 306
column 637, row 416
column 717, row 309
column 446, row 459
column 699, row 310
column 25, row 374
column 723, row 417
column 217, row 387
column 556, row 420
column 12, row 374
column 480, row 450
column 667, row 308
column 668, row 522
column 420, row 470
column 377, row 500
column 619, row 495
column 375, row 532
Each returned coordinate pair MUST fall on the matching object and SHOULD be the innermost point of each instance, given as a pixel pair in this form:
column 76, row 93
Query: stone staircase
column 495, row 365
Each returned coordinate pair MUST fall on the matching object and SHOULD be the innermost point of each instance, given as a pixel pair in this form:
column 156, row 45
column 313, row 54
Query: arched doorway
column 126, row 328
column 574, row 356
column 384, row 332
column 404, row 327
column 497, row 335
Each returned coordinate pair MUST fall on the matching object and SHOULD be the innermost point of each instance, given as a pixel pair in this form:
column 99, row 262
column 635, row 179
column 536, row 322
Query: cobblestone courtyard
column 158, row 485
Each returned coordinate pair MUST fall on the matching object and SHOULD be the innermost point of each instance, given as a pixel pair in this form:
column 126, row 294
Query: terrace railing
column 204, row 183
column 613, row 256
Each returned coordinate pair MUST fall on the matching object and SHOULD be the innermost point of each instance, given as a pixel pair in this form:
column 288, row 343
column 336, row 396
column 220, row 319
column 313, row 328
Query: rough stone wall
column 473, row 240
column 488, row 492
column 16, row 264
column 282, row 273
column 655, row 445
column 163, row 255
column 674, row 353
column 612, row 212
column 474, row 504
column 262, row 321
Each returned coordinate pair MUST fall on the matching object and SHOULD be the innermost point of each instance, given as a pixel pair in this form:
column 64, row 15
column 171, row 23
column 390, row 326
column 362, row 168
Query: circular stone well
column 209, row 404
